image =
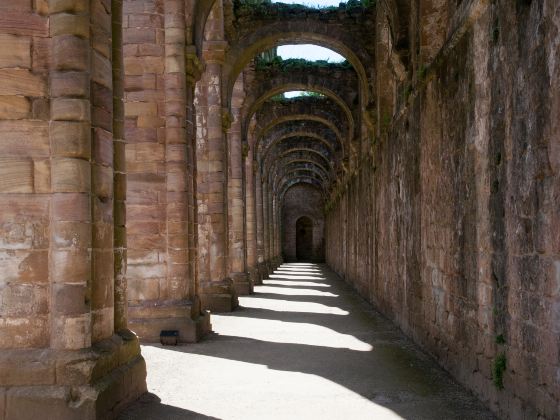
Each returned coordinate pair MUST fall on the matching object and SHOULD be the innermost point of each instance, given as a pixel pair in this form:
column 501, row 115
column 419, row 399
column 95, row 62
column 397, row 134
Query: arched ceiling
column 309, row 139
column 348, row 30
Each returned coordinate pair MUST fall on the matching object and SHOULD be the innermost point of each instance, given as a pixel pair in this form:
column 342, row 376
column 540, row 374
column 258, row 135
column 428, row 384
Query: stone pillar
column 277, row 231
column 64, row 361
column 216, row 288
column 251, row 219
column 119, row 170
column 270, row 227
column 236, row 205
column 71, row 146
column 193, row 73
column 261, row 259
column 266, row 226
column 164, row 295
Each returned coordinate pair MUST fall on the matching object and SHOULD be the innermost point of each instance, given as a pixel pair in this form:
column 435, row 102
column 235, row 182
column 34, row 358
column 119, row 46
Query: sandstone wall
column 303, row 200
column 57, row 157
column 452, row 227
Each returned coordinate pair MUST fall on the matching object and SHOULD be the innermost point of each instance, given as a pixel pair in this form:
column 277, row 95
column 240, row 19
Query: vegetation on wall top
column 265, row 8
column 278, row 64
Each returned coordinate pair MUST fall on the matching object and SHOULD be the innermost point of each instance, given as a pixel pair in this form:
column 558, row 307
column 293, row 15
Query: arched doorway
column 304, row 239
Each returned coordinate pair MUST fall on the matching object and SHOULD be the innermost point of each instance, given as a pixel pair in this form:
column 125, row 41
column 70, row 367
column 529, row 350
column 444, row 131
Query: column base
column 254, row 276
column 150, row 318
column 242, row 284
column 277, row 262
column 219, row 297
column 263, row 271
column 89, row 384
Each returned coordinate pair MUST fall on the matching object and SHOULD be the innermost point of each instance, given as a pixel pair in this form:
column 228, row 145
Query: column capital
column 194, row 67
column 227, row 119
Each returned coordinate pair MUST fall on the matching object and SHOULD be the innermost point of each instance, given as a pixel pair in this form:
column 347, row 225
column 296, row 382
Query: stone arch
column 300, row 129
column 342, row 33
column 299, row 117
column 294, row 168
column 323, row 107
column 300, row 156
column 306, row 141
column 300, row 180
column 297, row 173
column 323, row 84
column 201, row 13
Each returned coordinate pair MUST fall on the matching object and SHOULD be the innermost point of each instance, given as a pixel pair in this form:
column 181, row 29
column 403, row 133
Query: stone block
column 21, row 22
column 69, row 24
column 73, row 332
column 24, row 332
column 16, row 176
column 22, row 82
column 70, row 299
column 3, row 403
column 15, row 51
column 14, row 107
column 141, row 289
column 24, row 138
column 102, row 72
column 70, row 139
column 70, row 6
column 70, row 53
column 70, row 175
column 70, row 109
column 71, row 266
column 26, row 368
column 102, row 181
column 102, row 323
column 71, row 207
column 150, row 121
column 139, row 35
column 70, row 84
column 148, row 322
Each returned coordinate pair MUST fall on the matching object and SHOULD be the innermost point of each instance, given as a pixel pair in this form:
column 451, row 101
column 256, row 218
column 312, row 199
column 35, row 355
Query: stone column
column 71, row 146
column 193, row 73
column 278, row 231
column 119, row 168
column 261, row 259
column 251, row 219
column 236, row 204
column 164, row 293
column 270, row 227
column 64, row 201
column 217, row 292
column 266, row 226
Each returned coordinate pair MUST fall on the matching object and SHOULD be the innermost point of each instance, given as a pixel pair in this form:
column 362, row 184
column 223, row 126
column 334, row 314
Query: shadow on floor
column 338, row 338
column 149, row 407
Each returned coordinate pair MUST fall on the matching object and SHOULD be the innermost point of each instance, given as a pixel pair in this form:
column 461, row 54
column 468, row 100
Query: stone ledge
column 58, row 384
column 254, row 276
column 219, row 296
column 149, row 321
column 242, row 283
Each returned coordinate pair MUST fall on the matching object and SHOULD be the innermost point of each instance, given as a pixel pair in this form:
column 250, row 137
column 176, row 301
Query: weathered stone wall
column 303, row 200
column 464, row 240
column 57, row 302
column 25, row 170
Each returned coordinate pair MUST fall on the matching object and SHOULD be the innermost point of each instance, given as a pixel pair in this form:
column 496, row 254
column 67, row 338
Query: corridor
column 304, row 346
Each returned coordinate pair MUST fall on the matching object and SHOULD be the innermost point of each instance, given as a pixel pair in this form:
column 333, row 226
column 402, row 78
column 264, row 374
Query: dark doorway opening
column 304, row 239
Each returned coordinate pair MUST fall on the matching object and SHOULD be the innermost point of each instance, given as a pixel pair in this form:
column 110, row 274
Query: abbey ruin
column 152, row 174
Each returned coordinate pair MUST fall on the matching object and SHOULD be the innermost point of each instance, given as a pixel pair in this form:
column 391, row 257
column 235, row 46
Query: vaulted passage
column 319, row 210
